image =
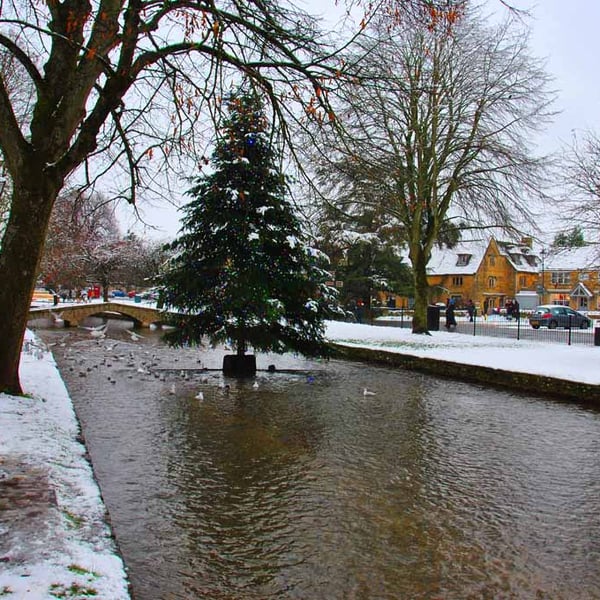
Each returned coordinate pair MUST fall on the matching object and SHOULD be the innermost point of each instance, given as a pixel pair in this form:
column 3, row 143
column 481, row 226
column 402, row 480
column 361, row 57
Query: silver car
column 553, row 316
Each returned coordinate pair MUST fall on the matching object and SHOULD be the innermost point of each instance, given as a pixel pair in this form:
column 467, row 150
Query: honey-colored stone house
column 571, row 276
column 489, row 272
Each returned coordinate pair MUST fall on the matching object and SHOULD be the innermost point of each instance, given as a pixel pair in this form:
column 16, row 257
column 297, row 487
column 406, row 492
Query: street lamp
column 543, row 288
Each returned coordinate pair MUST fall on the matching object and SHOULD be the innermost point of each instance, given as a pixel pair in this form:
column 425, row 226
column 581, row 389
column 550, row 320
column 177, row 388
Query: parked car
column 553, row 316
column 118, row 294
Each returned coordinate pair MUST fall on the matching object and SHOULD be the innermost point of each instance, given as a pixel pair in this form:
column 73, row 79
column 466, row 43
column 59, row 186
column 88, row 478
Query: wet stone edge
column 539, row 385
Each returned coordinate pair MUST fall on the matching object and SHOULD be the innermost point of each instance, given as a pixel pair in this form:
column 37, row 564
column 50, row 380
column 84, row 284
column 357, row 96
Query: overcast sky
column 563, row 32
column 566, row 33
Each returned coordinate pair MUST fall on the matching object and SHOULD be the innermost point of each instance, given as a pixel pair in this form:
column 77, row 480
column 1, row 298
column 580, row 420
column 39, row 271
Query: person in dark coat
column 450, row 318
column 515, row 309
column 470, row 310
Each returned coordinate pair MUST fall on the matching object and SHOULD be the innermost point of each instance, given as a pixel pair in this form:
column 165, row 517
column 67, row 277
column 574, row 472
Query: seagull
column 97, row 332
column 367, row 392
column 255, row 385
column 199, row 396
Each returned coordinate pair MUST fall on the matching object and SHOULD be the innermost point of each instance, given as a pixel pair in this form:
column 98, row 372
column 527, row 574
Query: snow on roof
column 465, row 258
column 521, row 256
column 462, row 259
column 581, row 291
column 571, row 259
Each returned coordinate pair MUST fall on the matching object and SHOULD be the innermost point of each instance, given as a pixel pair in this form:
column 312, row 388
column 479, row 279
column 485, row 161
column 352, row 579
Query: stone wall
column 522, row 382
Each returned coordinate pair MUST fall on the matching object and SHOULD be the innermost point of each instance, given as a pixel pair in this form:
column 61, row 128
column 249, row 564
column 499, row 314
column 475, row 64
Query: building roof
column 573, row 259
column 465, row 258
column 445, row 261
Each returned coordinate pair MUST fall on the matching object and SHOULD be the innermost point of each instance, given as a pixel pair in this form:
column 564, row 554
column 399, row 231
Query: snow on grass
column 573, row 363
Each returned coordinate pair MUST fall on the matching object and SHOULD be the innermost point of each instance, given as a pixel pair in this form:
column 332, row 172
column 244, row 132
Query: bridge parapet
column 74, row 314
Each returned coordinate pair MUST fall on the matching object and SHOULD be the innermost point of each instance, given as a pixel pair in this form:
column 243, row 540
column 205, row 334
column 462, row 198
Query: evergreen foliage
column 241, row 269
column 573, row 238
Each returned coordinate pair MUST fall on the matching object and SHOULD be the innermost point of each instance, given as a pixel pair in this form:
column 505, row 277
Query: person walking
column 515, row 309
column 450, row 318
column 470, row 310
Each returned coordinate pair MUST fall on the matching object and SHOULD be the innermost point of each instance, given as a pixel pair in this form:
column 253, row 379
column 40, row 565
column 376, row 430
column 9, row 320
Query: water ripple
column 305, row 488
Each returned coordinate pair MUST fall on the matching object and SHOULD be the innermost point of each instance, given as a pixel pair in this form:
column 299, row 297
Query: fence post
column 570, row 329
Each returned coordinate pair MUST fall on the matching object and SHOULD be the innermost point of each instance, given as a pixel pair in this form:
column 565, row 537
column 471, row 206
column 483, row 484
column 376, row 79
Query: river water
column 296, row 485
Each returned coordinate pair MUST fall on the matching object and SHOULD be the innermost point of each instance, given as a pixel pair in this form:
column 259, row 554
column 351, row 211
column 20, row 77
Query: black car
column 553, row 316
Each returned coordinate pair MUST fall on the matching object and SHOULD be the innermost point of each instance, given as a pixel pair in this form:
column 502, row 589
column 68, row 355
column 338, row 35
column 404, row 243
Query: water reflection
column 304, row 488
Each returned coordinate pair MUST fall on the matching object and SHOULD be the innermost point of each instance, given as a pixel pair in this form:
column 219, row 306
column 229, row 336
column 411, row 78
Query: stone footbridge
column 74, row 314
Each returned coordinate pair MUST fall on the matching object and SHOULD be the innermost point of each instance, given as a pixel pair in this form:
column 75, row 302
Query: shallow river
column 301, row 487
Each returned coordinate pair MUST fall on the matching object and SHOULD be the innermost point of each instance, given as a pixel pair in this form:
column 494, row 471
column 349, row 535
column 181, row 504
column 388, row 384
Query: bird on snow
column 367, row 392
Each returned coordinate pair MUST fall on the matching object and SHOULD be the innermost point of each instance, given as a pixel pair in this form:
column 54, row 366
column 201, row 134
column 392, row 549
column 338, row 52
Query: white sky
column 564, row 33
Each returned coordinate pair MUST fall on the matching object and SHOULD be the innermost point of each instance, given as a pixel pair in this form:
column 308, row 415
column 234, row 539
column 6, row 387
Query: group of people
column 511, row 306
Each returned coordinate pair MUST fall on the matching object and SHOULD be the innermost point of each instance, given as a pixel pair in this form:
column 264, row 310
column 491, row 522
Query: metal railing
column 495, row 325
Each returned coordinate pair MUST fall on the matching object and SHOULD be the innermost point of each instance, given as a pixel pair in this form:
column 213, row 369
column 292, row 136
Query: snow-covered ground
column 573, row 363
column 54, row 540
column 62, row 547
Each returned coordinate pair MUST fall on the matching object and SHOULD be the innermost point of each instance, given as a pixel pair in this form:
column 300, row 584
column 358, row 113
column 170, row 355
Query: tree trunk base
column 239, row 366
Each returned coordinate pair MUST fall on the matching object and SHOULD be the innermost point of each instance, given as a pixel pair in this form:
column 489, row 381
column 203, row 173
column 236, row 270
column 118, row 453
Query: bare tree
column 121, row 89
column 441, row 130
column 583, row 182
column 15, row 80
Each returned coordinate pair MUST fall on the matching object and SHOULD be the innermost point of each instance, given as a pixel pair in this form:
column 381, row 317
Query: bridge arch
column 73, row 315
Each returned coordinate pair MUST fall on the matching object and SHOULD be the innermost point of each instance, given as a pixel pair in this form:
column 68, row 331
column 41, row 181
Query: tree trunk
column 20, row 255
column 419, row 263
column 241, row 345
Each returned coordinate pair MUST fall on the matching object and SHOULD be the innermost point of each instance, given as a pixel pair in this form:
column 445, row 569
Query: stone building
column 489, row 272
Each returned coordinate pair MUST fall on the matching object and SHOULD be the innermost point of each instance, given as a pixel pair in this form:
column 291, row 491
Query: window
column 560, row 278
column 584, row 276
column 492, row 260
column 457, row 281
column 463, row 260
column 522, row 281
column 491, row 282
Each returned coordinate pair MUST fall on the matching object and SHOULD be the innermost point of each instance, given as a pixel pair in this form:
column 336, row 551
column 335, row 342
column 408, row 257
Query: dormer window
column 463, row 260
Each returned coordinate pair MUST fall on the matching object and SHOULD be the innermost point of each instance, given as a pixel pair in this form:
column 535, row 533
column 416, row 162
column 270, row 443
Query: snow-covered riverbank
column 54, row 538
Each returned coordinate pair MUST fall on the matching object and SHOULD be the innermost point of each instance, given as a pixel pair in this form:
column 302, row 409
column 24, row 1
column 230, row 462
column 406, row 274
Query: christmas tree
column 241, row 269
